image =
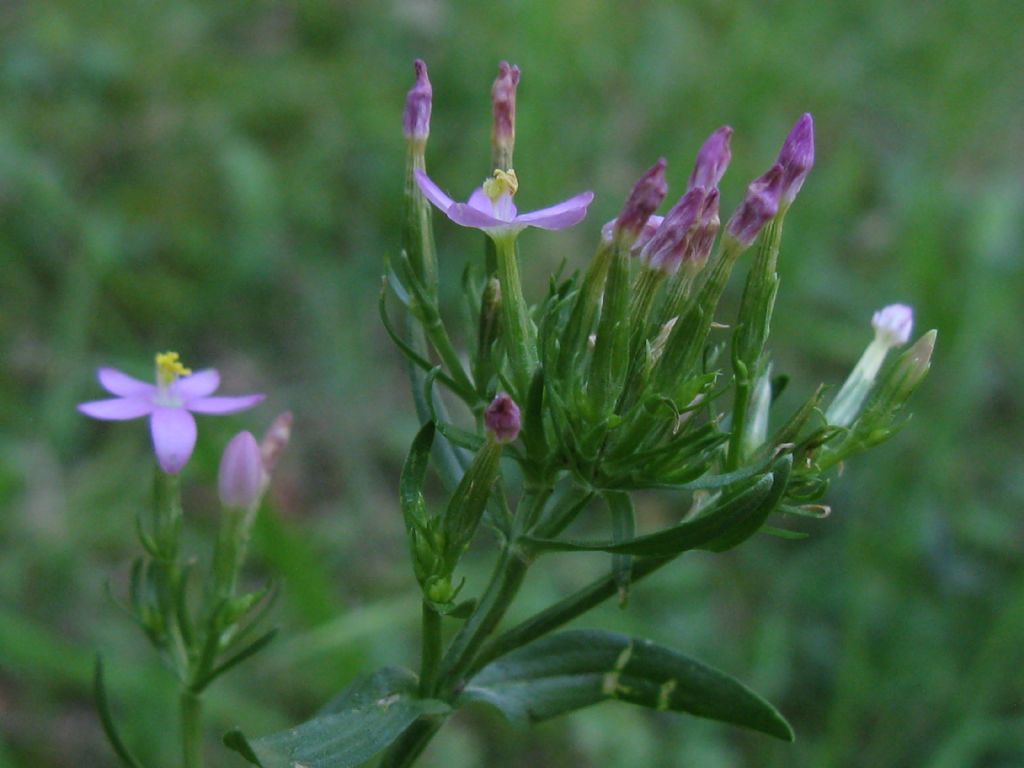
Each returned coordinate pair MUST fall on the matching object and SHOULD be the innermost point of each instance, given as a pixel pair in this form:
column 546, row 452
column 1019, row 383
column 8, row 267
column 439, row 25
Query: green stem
column 561, row 612
column 439, row 339
column 518, row 330
column 508, row 578
column 191, row 729
column 410, row 745
column 431, row 645
column 741, row 404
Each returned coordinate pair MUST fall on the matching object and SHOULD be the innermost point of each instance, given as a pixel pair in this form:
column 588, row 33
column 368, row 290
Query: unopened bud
column 706, row 229
column 240, row 480
column 503, row 98
column 416, row 118
column 893, row 324
column 758, row 208
column 503, row 419
column 796, row 158
column 712, row 159
column 668, row 246
column 275, row 440
column 643, row 201
column 909, row 370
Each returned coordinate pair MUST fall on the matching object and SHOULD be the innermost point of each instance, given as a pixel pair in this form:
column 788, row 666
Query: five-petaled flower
column 491, row 209
column 170, row 403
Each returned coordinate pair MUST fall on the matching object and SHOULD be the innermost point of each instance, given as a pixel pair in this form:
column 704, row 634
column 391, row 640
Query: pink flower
column 491, row 209
column 240, row 478
column 170, row 403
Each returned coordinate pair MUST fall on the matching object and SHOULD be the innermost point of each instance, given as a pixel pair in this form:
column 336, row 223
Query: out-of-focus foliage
column 223, row 179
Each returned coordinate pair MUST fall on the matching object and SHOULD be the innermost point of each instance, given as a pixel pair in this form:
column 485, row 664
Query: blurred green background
column 223, row 179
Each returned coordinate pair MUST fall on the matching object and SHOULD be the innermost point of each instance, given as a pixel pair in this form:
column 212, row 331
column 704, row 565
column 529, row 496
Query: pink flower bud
column 503, row 97
column 797, row 157
column 758, row 208
column 503, row 419
column 666, row 249
column 643, row 201
column 712, row 160
column 416, row 119
column 240, row 480
column 275, row 440
column 893, row 324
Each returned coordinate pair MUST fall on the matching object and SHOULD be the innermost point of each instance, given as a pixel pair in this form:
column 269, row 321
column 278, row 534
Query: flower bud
column 796, row 158
column 666, row 249
column 643, row 201
column 503, row 419
column 712, row 160
column 706, row 229
column 893, row 324
column 503, row 99
column 275, row 440
column 758, row 208
column 240, row 480
column 907, row 373
column 416, row 118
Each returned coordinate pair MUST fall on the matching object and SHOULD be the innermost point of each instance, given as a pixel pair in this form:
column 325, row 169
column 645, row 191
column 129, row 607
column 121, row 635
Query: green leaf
column 571, row 670
column 414, row 472
column 752, row 522
column 363, row 720
column 692, row 534
column 107, row 719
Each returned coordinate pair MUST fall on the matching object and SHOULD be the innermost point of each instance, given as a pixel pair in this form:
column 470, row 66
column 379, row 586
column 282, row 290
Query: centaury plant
column 624, row 377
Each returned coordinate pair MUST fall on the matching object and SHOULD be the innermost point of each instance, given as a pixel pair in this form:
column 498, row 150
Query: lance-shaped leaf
column 751, row 523
column 414, row 471
column 571, row 670
column 692, row 534
column 363, row 720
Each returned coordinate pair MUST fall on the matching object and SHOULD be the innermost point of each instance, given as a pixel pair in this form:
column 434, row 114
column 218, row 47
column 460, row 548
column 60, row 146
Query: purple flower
column 797, row 157
column 666, row 249
column 503, row 419
column 240, row 480
column 170, row 403
column 416, row 119
column 712, row 159
column 643, row 201
column 491, row 209
column 758, row 207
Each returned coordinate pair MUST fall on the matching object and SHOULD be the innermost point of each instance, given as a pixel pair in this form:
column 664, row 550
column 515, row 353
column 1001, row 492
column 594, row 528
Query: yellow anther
column 169, row 368
column 504, row 182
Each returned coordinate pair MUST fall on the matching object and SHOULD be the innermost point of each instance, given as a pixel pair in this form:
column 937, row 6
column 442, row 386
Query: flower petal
column 564, row 214
column 432, row 192
column 118, row 408
column 465, row 215
column 480, row 201
column 117, row 383
column 199, row 384
column 223, row 405
column 174, row 437
column 503, row 210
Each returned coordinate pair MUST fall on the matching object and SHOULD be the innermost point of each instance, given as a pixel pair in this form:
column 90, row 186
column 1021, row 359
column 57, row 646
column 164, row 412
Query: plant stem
column 518, row 328
column 508, row 577
column 431, row 653
column 563, row 611
column 191, row 729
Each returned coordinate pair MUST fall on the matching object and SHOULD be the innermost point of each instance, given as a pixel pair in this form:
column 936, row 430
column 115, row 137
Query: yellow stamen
column 169, row 368
column 504, row 182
